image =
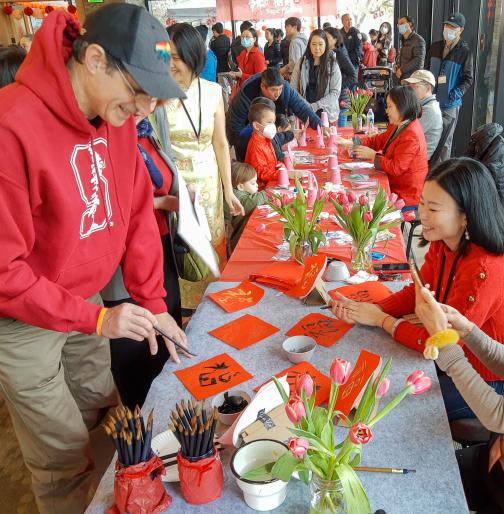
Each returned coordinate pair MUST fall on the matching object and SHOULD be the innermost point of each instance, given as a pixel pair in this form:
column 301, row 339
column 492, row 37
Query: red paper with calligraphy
column 372, row 292
column 323, row 329
column 240, row 297
column 244, row 331
column 322, row 382
column 349, row 393
column 212, row 376
column 314, row 266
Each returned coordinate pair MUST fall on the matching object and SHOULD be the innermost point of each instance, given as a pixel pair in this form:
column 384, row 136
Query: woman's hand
column 347, row 143
column 429, row 311
column 457, row 321
column 166, row 203
column 236, row 74
column 235, row 206
column 363, row 152
column 357, row 312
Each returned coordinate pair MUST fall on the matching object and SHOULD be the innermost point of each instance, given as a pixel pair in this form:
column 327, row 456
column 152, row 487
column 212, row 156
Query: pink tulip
column 409, row 216
column 360, row 434
column 341, row 198
column 399, row 204
column 277, row 202
column 368, row 216
column 351, row 197
column 304, row 382
column 363, row 200
column 295, row 409
column 340, row 371
column 298, row 446
column 419, row 381
column 260, row 227
column 322, row 195
column 347, row 209
column 285, row 199
column 384, row 387
column 342, row 104
column 393, row 198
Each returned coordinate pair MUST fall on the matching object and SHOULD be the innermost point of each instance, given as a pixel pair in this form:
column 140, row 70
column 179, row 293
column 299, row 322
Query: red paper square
column 323, row 329
column 212, row 376
column 372, row 292
column 322, row 382
column 244, row 331
column 237, row 298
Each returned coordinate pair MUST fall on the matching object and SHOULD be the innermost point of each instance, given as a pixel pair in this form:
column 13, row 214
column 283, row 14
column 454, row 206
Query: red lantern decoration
column 28, row 11
column 7, row 9
column 49, row 9
column 72, row 9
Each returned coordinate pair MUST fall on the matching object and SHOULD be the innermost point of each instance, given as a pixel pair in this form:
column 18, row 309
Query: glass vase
column 326, row 496
column 361, row 256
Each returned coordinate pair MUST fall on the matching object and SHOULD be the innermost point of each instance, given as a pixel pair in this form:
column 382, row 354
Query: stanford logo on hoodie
column 88, row 164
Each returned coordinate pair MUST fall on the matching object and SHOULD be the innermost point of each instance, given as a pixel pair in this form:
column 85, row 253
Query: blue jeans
column 456, row 406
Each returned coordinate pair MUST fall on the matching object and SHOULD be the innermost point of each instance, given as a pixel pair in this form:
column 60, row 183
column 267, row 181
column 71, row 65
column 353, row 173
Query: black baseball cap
column 457, row 19
column 134, row 37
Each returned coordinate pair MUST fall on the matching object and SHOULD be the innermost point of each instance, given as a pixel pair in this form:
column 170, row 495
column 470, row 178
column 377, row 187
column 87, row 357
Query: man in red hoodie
column 75, row 202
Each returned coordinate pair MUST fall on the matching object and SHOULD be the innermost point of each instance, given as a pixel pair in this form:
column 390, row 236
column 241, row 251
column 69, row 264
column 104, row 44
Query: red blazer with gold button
column 477, row 291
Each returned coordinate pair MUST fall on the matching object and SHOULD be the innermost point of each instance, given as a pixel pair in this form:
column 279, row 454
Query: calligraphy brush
column 399, row 471
column 178, row 345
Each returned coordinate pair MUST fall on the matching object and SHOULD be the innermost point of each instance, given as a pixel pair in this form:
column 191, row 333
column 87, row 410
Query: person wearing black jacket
column 220, row 46
column 352, row 39
column 412, row 52
column 284, row 46
column 272, row 49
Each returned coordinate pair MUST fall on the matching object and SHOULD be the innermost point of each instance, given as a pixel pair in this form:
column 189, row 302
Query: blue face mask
column 247, row 42
column 450, row 34
column 403, row 28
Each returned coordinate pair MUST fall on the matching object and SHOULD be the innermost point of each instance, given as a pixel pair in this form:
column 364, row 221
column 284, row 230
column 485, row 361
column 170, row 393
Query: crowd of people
column 89, row 213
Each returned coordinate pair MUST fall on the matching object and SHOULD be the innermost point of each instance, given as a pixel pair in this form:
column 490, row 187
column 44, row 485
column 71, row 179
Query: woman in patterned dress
column 198, row 140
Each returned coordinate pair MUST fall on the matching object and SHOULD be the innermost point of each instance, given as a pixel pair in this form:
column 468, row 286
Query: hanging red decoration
column 72, row 9
column 7, row 9
column 49, row 9
column 28, row 11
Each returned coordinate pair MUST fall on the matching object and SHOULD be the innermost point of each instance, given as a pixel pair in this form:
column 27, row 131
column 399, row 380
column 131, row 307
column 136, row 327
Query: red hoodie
column 75, row 200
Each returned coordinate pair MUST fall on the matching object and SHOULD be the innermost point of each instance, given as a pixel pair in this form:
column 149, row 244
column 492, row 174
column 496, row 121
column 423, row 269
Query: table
column 415, row 435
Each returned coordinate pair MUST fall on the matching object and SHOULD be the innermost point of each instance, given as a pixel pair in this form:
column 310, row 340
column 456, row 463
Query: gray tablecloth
column 415, row 435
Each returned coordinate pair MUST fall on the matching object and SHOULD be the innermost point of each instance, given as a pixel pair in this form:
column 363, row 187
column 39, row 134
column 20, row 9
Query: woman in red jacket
column 251, row 60
column 463, row 219
column 401, row 151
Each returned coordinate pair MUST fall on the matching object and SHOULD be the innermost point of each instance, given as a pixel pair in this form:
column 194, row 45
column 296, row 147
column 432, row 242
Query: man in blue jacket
column 269, row 84
column 451, row 64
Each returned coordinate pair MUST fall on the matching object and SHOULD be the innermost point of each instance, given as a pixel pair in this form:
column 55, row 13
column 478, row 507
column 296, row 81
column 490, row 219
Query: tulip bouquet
column 363, row 222
column 314, row 454
column 357, row 105
column 301, row 232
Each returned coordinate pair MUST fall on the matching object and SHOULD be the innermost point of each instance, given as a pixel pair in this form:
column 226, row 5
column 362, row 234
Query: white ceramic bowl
column 262, row 494
column 218, row 400
column 299, row 348
column 336, row 271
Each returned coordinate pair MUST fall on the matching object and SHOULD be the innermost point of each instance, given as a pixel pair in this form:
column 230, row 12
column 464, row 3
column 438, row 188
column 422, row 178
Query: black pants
column 133, row 367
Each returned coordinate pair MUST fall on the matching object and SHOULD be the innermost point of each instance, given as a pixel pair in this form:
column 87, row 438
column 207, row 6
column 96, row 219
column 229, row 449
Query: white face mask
column 269, row 130
column 247, row 42
column 450, row 34
column 403, row 28
column 384, row 30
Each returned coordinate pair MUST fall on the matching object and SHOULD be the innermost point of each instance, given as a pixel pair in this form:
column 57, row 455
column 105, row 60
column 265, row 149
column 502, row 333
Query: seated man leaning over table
column 481, row 465
column 401, row 151
column 463, row 219
column 269, row 84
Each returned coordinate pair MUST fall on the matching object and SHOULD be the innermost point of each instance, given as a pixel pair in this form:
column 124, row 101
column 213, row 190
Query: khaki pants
column 56, row 386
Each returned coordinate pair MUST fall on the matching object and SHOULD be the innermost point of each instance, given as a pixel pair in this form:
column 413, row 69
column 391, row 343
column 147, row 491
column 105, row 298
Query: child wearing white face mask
column 260, row 151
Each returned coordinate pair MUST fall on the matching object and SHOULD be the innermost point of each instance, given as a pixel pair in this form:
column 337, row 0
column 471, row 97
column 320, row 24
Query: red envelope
column 212, row 376
column 236, row 298
column 322, row 382
column 244, row 331
column 372, row 292
column 323, row 329
column 279, row 275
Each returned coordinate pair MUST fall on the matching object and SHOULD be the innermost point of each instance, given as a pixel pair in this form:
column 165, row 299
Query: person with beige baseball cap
column 423, row 82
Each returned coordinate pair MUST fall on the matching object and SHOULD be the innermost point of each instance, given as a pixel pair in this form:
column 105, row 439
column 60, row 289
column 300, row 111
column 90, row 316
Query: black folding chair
column 447, row 126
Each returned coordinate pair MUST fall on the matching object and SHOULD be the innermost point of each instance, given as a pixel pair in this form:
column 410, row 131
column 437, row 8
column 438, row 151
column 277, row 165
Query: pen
column 178, row 345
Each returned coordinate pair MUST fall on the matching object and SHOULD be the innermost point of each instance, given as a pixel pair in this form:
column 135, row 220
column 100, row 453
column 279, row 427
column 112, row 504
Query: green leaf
column 261, row 473
column 321, row 461
column 281, row 390
column 314, row 441
column 354, row 494
column 319, row 419
column 327, row 435
column 304, row 475
column 284, row 466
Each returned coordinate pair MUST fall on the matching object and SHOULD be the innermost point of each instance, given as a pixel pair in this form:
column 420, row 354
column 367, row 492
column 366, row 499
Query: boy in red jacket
column 260, row 151
column 370, row 53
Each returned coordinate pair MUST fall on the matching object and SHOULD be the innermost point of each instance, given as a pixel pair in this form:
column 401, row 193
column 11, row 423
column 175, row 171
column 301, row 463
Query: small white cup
column 336, row 271
column 299, row 348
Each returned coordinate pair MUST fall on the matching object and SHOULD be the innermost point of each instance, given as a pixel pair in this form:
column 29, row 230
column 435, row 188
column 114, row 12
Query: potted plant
column 328, row 467
column 356, row 105
column 301, row 230
column 363, row 222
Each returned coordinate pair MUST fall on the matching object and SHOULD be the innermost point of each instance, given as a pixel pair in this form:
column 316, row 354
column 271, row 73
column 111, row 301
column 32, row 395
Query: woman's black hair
column 279, row 33
column 10, row 61
column 253, row 31
column 324, row 71
column 473, row 188
column 218, row 27
column 406, row 102
column 335, row 34
column 190, row 46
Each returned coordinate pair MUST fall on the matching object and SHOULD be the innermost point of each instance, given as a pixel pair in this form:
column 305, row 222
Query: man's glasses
column 139, row 96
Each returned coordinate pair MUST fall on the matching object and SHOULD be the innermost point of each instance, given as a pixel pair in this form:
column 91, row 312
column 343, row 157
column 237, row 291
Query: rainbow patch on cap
column 163, row 50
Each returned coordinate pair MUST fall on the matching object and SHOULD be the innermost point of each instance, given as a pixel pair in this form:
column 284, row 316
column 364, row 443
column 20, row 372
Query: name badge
column 441, row 79
column 199, row 161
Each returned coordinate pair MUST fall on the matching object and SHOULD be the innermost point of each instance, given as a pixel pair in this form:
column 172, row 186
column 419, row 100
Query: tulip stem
column 392, row 404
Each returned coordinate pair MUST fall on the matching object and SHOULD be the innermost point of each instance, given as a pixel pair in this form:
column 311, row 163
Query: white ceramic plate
column 163, row 444
column 356, row 165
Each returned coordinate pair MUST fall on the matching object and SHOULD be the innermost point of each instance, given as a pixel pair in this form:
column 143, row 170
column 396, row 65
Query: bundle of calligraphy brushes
column 131, row 438
column 194, row 428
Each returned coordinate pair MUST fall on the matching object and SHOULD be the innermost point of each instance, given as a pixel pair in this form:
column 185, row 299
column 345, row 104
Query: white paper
column 193, row 228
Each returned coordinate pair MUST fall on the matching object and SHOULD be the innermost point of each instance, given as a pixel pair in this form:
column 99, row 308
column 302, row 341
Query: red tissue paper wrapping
column 138, row 489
